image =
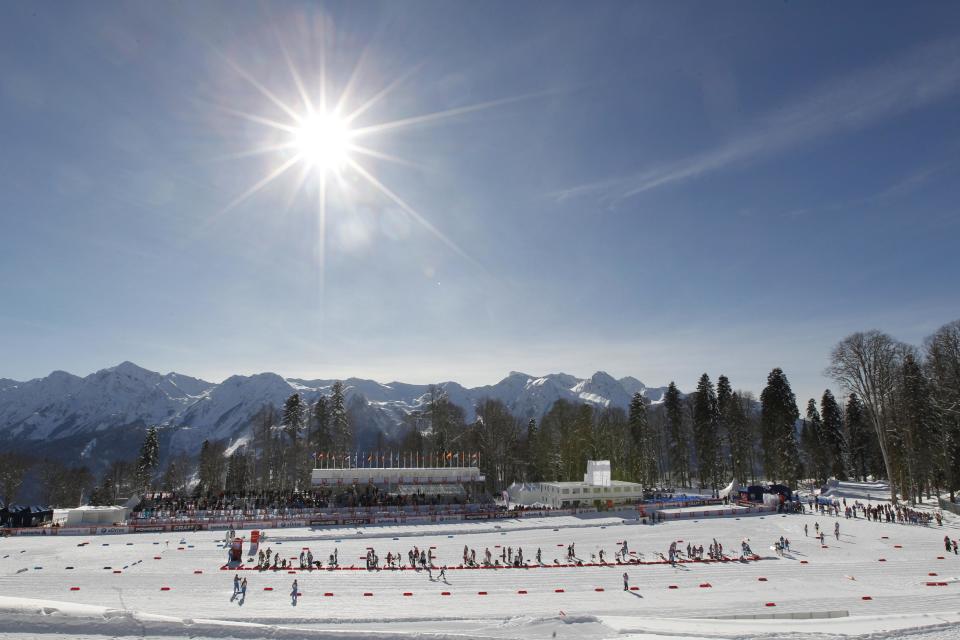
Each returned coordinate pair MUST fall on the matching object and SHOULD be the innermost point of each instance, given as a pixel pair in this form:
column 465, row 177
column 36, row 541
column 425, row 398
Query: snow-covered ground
column 185, row 592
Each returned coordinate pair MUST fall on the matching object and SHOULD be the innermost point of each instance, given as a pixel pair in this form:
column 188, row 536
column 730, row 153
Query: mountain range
column 102, row 416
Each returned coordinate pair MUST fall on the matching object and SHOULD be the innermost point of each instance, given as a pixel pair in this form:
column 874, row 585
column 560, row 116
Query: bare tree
column 867, row 363
column 13, row 467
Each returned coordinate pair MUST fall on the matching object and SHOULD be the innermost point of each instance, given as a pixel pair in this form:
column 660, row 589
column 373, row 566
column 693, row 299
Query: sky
column 655, row 189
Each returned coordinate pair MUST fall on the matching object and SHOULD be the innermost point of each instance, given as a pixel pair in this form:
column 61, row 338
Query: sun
column 323, row 141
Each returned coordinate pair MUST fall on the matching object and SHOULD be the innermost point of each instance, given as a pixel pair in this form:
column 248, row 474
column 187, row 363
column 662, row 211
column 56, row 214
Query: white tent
column 90, row 516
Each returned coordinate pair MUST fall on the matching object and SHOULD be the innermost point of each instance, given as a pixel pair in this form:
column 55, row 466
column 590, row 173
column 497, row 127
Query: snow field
column 888, row 563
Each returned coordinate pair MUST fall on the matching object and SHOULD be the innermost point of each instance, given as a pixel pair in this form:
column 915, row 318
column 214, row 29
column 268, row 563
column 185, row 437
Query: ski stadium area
column 878, row 579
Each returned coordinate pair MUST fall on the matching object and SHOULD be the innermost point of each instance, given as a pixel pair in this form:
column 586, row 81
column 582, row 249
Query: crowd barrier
column 732, row 511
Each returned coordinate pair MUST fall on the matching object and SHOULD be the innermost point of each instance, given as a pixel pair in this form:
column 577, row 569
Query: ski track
column 835, row 578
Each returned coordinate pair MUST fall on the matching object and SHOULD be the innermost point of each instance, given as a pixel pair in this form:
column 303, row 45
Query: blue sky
column 654, row 189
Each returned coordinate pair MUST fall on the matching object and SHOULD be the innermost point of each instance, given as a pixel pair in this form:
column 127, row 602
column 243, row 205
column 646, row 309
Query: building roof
column 579, row 484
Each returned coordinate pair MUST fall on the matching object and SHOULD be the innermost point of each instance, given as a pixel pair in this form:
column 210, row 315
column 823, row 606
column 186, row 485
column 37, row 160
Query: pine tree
column 292, row 418
column 148, row 461
column 724, row 400
column 859, row 437
column 815, row 444
column 321, row 437
column 340, row 421
column 778, row 418
column 943, row 367
column 837, row 454
column 642, row 439
column 678, row 449
column 741, row 438
column 918, row 430
column 705, row 437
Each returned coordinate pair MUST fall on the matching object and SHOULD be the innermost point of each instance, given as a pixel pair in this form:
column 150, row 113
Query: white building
column 597, row 487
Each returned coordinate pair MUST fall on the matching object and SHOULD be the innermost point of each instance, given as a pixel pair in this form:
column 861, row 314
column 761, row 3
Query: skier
column 836, row 529
column 806, row 531
column 626, row 581
column 243, row 590
column 294, row 592
column 442, row 575
column 539, row 561
column 236, row 583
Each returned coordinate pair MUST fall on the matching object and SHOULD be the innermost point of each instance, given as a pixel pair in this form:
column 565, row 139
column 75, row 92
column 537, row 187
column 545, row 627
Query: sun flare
column 323, row 140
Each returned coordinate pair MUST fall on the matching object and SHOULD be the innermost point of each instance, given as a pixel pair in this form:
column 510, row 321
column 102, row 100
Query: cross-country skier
column 294, row 592
column 236, row 583
column 539, row 561
column 806, row 531
column 243, row 590
column 626, row 581
column 836, row 529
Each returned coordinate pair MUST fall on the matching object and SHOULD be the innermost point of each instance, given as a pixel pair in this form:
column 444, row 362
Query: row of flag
column 387, row 459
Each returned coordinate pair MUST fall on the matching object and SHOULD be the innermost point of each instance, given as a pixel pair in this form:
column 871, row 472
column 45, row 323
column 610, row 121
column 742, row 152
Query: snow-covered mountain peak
column 63, row 407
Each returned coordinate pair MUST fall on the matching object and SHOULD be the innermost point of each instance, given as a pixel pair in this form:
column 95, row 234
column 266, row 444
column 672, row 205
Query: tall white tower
column 598, row 473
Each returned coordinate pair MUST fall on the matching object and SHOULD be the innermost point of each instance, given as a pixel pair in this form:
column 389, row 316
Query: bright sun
column 323, row 141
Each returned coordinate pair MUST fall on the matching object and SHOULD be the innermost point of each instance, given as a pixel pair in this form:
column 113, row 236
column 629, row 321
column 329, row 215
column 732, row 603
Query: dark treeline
column 898, row 419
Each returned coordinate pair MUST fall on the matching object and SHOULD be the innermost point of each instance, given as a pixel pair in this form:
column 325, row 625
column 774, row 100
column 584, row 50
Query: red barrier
column 804, row 562
column 558, row 591
column 882, row 560
column 328, row 595
column 599, row 589
column 156, row 557
column 673, row 586
column 771, row 604
column 761, row 579
column 931, row 574
column 898, row 546
column 74, row 588
column 196, row 571
column 117, row 571
column 444, row 593
column 940, row 557
column 268, row 588
column 706, row 585
column 164, row 588
column 522, row 592
column 866, row 598
column 368, row 594
column 481, row 593
column 407, row 593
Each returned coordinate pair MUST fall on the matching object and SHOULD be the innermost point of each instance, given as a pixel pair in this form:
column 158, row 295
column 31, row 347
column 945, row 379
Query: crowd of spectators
column 296, row 504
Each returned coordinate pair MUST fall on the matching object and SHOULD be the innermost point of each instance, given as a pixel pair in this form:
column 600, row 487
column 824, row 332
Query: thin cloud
column 919, row 78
